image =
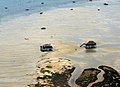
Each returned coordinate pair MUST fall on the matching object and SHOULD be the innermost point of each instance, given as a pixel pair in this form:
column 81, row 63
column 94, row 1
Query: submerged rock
column 6, row 7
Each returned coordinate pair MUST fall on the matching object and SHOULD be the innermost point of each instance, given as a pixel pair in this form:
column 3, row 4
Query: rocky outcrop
column 88, row 76
column 53, row 73
column 111, row 77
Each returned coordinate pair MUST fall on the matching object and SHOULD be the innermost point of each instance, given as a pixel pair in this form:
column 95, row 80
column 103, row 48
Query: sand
column 66, row 29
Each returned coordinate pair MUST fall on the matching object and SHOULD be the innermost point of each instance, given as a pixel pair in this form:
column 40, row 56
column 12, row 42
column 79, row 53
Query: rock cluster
column 111, row 77
column 53, row 73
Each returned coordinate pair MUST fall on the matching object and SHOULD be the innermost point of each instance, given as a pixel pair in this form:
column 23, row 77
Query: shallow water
column 15, row 8
column 18, row 56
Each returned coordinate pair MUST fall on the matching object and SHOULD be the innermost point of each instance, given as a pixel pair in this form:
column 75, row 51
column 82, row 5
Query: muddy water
column 18, row 56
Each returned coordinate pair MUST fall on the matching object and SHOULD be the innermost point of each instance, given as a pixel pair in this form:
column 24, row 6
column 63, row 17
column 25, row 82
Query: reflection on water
column 90, row 50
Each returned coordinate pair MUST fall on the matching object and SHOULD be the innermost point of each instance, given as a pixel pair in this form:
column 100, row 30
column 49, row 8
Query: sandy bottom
column 66, row 29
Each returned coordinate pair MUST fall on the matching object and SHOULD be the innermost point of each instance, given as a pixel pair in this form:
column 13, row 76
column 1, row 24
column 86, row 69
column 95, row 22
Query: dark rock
column 27, row 9
column 71, row 9
column 41, row 12
column 98, row 9
column 88, row 76
column 111, row 78
column 6, row 7
column 90, row 0
column 73, row 1
column 42, row 2
column 43, row 28
column 105, row 3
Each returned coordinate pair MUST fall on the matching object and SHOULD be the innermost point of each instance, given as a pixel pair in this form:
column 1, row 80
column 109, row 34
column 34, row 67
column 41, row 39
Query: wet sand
column 65, row 28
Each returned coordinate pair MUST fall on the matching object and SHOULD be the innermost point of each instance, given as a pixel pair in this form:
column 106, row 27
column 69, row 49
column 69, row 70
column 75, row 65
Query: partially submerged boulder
column 90, row 0
column 27, row 9
column 42, row 2
column 73, row 1
column 41, row 13
column 43, row 28
column 106, row 3
column 6, row 7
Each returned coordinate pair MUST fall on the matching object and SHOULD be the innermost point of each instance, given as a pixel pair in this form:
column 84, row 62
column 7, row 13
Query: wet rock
column 55, row 73
column 26, row 38
column 88, row 76
column 111, row 78
column 105, row 3
column 61, row 80
column 27, row 9
column 73, row 1
column 43, row 28
column 71, row 9
column 6, row 7
column 42, row 2
column 41, row 12
column 98, row 9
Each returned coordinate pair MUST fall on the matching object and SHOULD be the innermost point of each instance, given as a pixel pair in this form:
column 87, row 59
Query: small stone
column 73, row 1
column 43, row 28
column 26, row 38
column 71, row 9
column 6, row 7
column 90, row 0
column 41, row 12
column 26, row 9
column 105, row 3
column 42, row 2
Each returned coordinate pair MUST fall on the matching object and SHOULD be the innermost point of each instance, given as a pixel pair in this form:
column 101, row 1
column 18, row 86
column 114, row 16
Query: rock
column 98, row 9
column 73, row 1
column 71, row 9
column 53, row 73
column 26, row 38
column 43, row 28
column 111, row 78
column 88, row 76
column 6, row 7
column 105, row 3
column 41, row 12
column 42, row 2
column 27, row 9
